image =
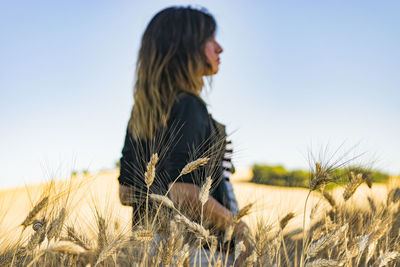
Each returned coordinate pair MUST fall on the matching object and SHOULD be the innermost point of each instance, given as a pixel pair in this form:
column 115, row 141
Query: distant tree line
column 280, row 176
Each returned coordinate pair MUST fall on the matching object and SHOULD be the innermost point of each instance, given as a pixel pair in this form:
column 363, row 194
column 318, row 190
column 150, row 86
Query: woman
column 169, row 117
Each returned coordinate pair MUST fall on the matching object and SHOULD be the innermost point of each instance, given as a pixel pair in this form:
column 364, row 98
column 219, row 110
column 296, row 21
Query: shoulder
column 191, row 111
column 187, row 99
column 189, row 105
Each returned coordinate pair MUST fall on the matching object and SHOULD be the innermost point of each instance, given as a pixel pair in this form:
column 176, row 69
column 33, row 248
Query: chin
column 210, row 73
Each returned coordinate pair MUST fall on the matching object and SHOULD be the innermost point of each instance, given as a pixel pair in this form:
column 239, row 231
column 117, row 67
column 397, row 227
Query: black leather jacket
column 191, row 133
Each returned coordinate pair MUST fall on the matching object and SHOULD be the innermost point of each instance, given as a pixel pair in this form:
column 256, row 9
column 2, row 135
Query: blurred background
column 295, row 77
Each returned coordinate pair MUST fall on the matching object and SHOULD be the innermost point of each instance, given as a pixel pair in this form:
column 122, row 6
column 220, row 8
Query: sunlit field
column 80, row 222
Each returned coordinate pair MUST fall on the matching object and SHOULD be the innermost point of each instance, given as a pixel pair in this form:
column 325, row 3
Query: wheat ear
column 371, row 204
column 101, row 235
column 354, row 183
column 7, row 257
column 151, row 170
column 205, row 191
column 320, row 178
column 285, row 220
column 149, row 176
column 243, row 212
column 239, row 248
column 35, row 239
column 193, row 165
column 228, row 233
column 329, row 198
column 386, row 258
column 35, row 210
column 196, row 228
column 110, row 249
column 182, row 256
column 325, row 241
column 78, row 239
column 143, row 236
column 55, row 226
column 163, row 200
column 323, row 263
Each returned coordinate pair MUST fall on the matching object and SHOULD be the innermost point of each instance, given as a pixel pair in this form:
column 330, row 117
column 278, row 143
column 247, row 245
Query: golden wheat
column 193, row 165
column 205, row 191
column 354, row 182
column 143, row 235
column 285, row 220
column 78, row 239
column 151, row 170
column 323, row 263
column 163, row 200
column 35, row 210
column 243, row 212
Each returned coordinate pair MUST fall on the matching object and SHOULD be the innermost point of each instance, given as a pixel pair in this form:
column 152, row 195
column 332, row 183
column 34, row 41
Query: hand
column 241, row 233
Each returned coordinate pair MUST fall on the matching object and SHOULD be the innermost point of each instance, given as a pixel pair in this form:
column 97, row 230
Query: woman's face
column 212, row 51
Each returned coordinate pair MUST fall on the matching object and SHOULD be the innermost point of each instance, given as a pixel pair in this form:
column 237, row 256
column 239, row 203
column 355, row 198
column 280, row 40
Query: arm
column 187, row 195
column 125, row 195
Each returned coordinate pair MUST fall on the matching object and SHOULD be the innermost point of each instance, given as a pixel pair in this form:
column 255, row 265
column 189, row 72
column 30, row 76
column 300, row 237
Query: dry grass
column 82, row 223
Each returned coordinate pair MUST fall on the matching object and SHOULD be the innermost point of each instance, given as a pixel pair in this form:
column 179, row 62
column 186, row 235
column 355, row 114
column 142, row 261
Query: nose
column 219, row 49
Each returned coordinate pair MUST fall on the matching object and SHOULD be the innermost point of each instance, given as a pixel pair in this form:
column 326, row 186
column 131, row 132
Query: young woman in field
column 169, row 117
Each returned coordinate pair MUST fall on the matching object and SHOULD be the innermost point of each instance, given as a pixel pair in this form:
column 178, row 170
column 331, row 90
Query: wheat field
column 80, row 222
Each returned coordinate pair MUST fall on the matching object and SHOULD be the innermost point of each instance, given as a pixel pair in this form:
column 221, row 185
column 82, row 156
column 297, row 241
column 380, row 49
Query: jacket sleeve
column 189, row 128
column 126, row 162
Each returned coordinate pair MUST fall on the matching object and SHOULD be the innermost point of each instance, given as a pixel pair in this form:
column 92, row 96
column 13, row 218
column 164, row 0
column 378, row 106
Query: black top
column 190, row 133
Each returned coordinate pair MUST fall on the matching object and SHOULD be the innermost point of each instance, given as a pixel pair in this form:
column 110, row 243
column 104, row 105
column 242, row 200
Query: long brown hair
column 171, row 60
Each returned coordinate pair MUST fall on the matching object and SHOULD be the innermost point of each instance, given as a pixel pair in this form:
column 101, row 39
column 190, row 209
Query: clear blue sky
column 293, row 73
